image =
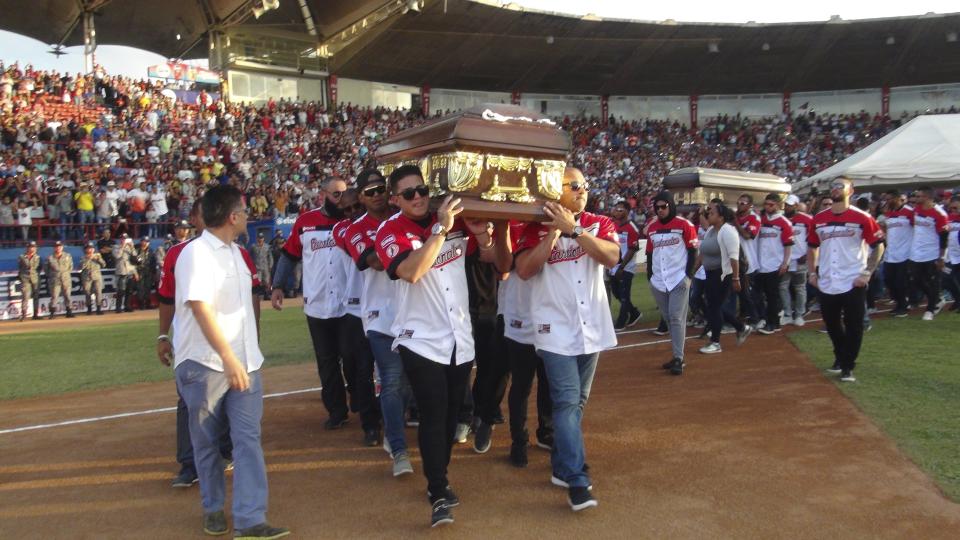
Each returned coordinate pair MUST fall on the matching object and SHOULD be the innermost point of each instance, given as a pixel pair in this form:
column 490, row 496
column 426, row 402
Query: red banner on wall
column 693, row 111
column 425, row 99
column 604, row 108
column 786, row 103
column 885, row 101
column 332, row 87
column 515, row 97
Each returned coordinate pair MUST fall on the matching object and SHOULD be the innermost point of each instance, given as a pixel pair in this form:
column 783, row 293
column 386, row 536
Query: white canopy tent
column 924, row 151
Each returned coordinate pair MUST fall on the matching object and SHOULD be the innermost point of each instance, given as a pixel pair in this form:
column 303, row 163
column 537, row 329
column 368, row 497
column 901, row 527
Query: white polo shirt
column 899, row 234
column 668, row 243
column 353, row 284
column 433, row 315
column 844, row 241
column 776, row 233
column 323, row 279
column 215, row 273
column 569, row 308
column 377, row 294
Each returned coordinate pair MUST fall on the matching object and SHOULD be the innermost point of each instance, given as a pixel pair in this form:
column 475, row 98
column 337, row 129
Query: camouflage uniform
column 92, row 280
column 29, row 273
column 58, row 279
column 263, row 259
column 147, row 270
column 126, row 273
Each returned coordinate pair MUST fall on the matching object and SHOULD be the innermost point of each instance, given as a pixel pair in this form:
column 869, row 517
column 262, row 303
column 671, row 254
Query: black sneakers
column 580, row 498
column 518, row 454
column 847, row 376
column 262, row 531
column 481, row 439
column 768, row 329
column 185, row 479
column 545, row 440
column 675, row 366
column 835, row 368
column 371, row 437
column 448, row 494
column 440, row 514
column 334, row 423
column 215, row 523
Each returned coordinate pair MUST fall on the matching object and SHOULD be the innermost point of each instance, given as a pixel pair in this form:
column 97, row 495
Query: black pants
column 768, row 284
column 748, row 307
column 439, row 390
column 621, row 291
column 185, row 447
column 843, row 315
column 717, row 291
column 524, row 364
column 327, row 336
column 951, row 282
column 493, row 368
column 928, row 281
column 896, row 276
column 358, row 364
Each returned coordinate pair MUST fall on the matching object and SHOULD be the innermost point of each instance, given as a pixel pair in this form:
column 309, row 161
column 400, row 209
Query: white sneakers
column 799, row 321
column 928, row 315
column 711, row 348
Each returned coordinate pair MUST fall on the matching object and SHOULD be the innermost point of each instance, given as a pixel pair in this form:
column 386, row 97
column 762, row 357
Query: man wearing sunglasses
column 311, row 240
column 564, row 261
column 377, row 312
column 425, row 252
column 841, row 262
column 355, row 353
column 773, row 249
column 672, row 244
column 928, row 248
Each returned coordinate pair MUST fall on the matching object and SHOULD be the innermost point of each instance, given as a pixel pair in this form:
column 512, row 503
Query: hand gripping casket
column 503, row 161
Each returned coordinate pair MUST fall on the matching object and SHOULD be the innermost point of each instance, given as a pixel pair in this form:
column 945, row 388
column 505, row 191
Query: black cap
column 88, row 245
column 183, row 224
column 145, row 239
column 370, row 177
column 58, row 243
column 32, row 244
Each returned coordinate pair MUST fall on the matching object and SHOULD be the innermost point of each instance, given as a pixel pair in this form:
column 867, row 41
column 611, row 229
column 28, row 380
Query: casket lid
column 488, row 127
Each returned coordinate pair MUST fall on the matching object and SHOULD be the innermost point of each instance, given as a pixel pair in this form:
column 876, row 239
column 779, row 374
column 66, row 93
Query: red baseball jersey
column 844, row 241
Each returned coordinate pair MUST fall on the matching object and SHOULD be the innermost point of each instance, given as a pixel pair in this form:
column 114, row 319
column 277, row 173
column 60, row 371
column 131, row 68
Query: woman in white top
column 720, row 256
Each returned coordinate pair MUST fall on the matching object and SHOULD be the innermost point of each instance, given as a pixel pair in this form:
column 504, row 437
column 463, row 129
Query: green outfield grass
column 44, row 363
column 908, row 382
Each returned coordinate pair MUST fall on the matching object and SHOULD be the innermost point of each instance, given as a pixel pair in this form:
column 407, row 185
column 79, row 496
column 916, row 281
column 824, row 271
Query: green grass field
column 908, row 382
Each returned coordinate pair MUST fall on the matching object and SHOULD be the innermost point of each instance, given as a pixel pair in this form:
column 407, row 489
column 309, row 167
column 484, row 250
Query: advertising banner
column 178, row 71
column 11, row 294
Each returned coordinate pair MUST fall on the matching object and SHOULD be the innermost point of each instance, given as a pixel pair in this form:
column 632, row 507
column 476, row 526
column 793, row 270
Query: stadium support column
column 89, row 42
column 515, row 97
column 425, row 99
column 786, row 103
column 604, row 108
column 885, row 101
column 693, row 110
column 332, row 91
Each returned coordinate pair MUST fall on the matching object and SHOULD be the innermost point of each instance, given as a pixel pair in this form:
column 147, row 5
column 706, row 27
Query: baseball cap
column 183, row 224
column 169, row 236
column 124, row 235
column 792, row 200
column 88, row 245
column 369, row 177
column 145, row 239
column 32, row 244
column 260, row 235
column 111, row 183
column 58, row 243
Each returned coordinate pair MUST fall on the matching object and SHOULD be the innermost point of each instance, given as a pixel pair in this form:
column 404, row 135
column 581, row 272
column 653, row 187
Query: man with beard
column 898, row 227
column 324, row 303
column 671, row 257
column 773, row 249
column 928, row 248
column 621, row 275
column 748, row 224
column 795, row 279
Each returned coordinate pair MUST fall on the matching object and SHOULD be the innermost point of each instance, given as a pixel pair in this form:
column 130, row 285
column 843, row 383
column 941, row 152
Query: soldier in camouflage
column 59, row 269
column 91, row 278
column 262, row 254
column 126, row 272
column 147, row 270
column 29, row 274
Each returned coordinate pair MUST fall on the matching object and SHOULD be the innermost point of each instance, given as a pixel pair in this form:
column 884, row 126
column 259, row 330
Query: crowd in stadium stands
column 80, row 153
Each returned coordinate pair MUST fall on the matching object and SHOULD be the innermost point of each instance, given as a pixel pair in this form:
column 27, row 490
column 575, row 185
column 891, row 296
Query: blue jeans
column 210, row 402
column 83, row 218
column 570, row 378
column 392, row 402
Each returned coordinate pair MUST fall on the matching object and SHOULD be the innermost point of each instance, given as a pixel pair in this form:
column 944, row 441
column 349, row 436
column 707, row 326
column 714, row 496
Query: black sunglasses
column 411, row 192
column 662, row 206
column 577, row 186
column 373, row 191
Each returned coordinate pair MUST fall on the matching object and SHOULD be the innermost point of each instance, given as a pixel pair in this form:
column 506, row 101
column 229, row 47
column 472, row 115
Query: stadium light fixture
column 891, row 40
column 713, row 47
column 765, row 47
column 549, row 40
column 951, row 37
column 178, row 37
column 265, row 6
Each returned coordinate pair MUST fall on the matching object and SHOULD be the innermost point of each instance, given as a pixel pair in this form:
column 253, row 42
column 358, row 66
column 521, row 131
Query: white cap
column 792, row 200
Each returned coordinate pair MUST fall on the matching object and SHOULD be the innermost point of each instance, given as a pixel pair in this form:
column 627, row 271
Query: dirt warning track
column 754, row 442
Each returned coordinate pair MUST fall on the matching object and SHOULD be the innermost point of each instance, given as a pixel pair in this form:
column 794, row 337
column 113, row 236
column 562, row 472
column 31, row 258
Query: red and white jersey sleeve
column 927, row 226
column 953, row 239
column 844, row 241
column 312, row 241
column 569, row 308
column 167, row 286
column 353, row 284
column 629, row 235
column 251, row 266
column 377, row 294
column 776, row 233
column 513, row 298
column 432, row 316
column 750, row 223
column 899, row 234
column 801, row 228
column 668, row 244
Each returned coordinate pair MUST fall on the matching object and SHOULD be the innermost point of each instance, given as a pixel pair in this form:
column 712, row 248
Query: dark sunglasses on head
column 411, row 192
column 662, row 206
column 374, row 191
column 336, row 194
column 577, row 186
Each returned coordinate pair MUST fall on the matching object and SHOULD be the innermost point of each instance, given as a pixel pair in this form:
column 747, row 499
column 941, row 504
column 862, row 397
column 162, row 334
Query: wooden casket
column 696, row 186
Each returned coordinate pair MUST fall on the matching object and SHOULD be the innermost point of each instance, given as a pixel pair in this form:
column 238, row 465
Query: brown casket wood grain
column 503, row 161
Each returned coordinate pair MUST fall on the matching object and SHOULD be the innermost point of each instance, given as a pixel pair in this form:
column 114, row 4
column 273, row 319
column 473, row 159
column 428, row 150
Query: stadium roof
column 471, row 45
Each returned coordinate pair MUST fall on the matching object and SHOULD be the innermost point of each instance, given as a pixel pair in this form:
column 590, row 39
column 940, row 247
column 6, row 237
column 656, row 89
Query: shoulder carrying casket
column 504, row 161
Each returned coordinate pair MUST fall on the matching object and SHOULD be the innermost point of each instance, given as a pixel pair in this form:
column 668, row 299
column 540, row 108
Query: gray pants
column 796, row 280
column 210, row 402
column 673, row 307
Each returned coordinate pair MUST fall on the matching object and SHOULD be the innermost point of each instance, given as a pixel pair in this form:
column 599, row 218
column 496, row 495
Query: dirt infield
column 754, row 442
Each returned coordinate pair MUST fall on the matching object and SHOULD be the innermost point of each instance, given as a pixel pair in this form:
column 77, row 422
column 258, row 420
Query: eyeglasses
column 661, row 206
column 743, row 203
column 335, row 194
column 838, row 185
column 411, row 192
column 373, row 191
column 577, row 186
